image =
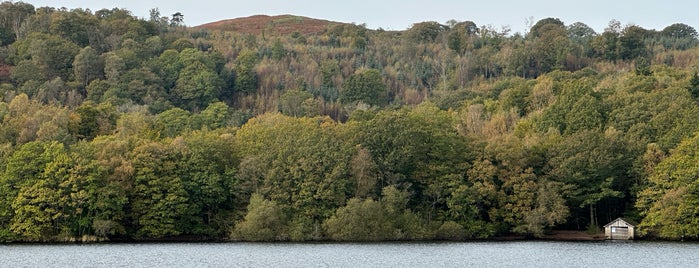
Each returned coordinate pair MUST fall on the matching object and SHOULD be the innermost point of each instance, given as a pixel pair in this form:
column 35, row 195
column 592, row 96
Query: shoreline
column 559, row 235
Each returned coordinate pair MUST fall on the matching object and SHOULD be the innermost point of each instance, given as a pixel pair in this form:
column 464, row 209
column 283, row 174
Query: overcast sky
column 401, row 14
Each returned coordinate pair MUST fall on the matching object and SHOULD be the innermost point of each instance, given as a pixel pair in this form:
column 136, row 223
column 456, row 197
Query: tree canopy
column 114, row 127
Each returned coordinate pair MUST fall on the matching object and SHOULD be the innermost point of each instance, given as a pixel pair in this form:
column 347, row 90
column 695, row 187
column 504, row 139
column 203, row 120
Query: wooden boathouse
column 619, row 229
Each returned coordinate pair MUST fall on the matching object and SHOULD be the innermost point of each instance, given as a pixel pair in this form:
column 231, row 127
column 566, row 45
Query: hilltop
column 282, row 24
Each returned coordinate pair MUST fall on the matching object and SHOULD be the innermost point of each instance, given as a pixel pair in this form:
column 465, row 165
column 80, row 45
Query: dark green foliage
column 365, row 86
column 245, row 79
column 631, row 43
column 694, row 86
column 425, row 31
column 643, row 67
column 539, row 28
column 94, row 120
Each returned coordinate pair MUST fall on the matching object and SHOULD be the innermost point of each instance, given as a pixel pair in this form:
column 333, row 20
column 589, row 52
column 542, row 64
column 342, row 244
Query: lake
column 419, row 254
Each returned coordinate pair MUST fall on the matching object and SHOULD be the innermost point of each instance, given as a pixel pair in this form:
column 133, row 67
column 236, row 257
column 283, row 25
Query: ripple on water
column 467, row 254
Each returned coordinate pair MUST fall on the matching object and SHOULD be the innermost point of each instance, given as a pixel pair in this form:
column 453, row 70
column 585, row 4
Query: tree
column 548, row 210
column 668, row 204
column 425, row 31
column 53, row 54
column 78, row 26
column 246, row 79
column 364, row 172
column 87, row 66
column 94, row 120
column 606, row 44
column 264, row 221
column 177, row 19
column 25, row 71
column 15, row 16
column 114, row 66
column 278, row 51
column 679, row 31
column 37, row 211
column 291, row 102
column 631, row 43
column 593, row 168
column 694, row 86
column 30, row 205
column 643, row 67
column 207, row 166
column 173, row 122
column 359, row 221
column 197, row 86
column 215, row 116
column 328, row 88
column 537, row 30
column 461, row 35
column 159, row 201
column 551, row 45
column 304, row 162
column 160, row 21
column 365, row 85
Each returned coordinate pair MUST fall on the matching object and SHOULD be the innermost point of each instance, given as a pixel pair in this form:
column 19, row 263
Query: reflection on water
column 468, row 254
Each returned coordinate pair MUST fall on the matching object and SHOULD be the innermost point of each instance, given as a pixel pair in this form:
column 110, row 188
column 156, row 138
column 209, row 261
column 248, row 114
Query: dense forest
column 114, row 127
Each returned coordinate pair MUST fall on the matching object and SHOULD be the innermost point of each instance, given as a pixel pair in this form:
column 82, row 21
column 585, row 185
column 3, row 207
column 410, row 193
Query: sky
column 401, row 14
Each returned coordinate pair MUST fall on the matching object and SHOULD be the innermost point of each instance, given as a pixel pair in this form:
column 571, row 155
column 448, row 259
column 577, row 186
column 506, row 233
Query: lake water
column 467, row 254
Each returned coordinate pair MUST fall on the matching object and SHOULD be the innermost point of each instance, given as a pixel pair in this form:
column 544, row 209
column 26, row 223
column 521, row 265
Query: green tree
column 538, row 29
column 30, row 204
column 16, row 14
column 159, row 202
column 593, row 166
column 197, row 86
column 694, row 86
column 246, row 78
column 551, row 47
column 291, row 102
column 26, row 70
column 631, row 43
column 173, row 122
column 87, row 66
column 114, row 66
column 78, row 26
column 53, row 54
column 425, row 31
column 278, row 51
column 365, row 85
column 264, row 221
column 207, row 166
column 328, row 88
column 304, row 162
column 37, row 211
column 606, row 45
column 359, row 221
column 668, row 204
column 94, row 120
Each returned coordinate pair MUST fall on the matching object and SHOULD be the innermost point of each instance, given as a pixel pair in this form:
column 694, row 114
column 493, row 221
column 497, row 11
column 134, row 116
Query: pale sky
column 401, row 14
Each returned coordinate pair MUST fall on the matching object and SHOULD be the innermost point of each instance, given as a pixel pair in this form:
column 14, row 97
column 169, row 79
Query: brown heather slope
column 282, row 24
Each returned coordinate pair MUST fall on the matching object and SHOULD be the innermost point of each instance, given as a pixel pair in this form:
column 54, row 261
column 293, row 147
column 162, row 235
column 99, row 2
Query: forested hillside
column 114, row 127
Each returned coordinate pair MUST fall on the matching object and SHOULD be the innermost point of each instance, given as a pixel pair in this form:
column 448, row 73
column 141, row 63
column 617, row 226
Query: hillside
column 113, row 127
column 282, row 24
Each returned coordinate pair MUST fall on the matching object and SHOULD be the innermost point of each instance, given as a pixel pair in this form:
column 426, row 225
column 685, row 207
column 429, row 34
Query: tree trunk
column 593, row 215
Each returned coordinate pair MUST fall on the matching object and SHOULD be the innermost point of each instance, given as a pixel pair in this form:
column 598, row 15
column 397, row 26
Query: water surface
column 467, row 254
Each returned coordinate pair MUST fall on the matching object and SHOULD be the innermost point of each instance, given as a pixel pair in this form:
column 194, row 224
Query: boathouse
column 619, row 229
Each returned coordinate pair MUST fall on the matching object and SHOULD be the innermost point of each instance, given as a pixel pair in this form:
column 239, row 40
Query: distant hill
column 282, row 24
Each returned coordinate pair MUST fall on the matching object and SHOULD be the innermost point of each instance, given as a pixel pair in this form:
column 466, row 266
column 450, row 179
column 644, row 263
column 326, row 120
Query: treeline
column 115, row 127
